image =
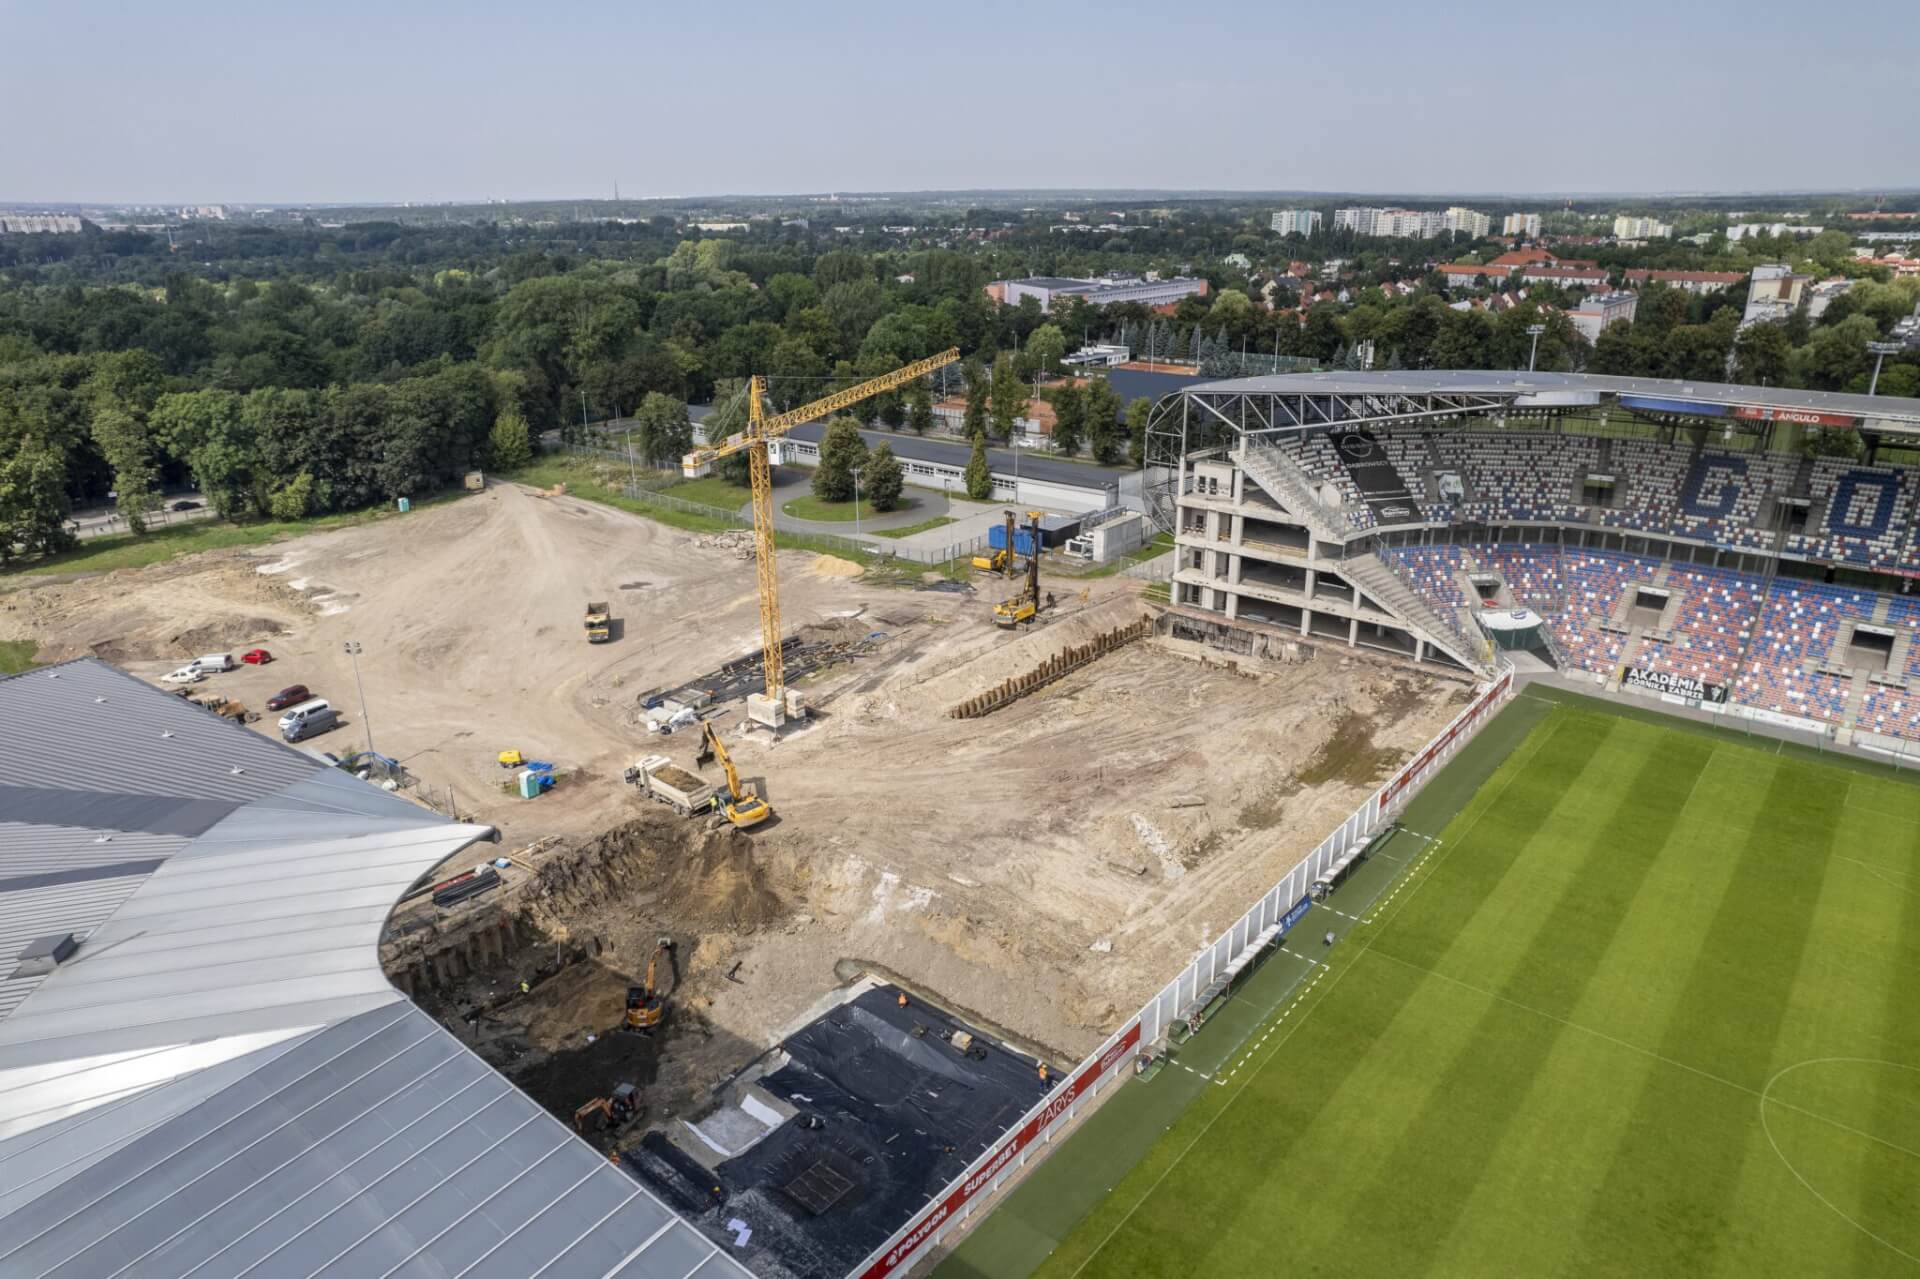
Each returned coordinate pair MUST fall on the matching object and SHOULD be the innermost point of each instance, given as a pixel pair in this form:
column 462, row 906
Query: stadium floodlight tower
column 1534, row 331
column 1880, row 351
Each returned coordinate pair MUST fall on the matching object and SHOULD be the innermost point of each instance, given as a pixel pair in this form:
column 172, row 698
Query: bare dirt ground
column 1044, row 869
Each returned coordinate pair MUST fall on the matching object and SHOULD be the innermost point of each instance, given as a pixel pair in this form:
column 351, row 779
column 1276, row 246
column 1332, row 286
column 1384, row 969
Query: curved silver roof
column 221, row 1080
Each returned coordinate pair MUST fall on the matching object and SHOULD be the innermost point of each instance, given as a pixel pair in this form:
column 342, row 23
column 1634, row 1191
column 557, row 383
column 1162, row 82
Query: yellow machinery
column 608, row 1113
column 760, row 430
column 1000, row 561
column 1023, row 607
column 647, row 1005
column 742, row 807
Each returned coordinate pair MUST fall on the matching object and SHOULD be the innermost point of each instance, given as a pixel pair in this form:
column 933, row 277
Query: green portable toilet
column 529, row 784
column 406, row 504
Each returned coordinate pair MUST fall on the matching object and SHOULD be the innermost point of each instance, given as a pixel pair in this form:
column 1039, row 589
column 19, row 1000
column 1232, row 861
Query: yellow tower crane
column 760, row 430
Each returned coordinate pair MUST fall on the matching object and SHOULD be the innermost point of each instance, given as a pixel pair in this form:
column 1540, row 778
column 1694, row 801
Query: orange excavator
column 647, row 1005
column 611, row 1112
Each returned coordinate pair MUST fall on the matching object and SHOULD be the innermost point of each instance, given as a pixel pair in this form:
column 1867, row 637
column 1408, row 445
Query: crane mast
column 761, row 430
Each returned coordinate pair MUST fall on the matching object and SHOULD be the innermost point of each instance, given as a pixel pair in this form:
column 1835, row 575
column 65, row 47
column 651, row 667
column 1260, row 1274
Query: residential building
column 1105, row 291
column 1778, row 230
column 1821, row 296
column 1776, row 292
column 1296, row 221
column 1524, row 224
column 1587, row 277
column 1417, row 224
column 1599, row 310
column 38, row 224
column 1629, row 228
column 1477, row 225
column 1691, row 281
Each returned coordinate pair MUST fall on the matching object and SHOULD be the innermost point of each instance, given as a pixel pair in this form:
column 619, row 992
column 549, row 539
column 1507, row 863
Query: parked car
column 189, row 674
column 311, row 724
column 291, row 695
column 212, row 663
column 185, row 504
column 256, row 657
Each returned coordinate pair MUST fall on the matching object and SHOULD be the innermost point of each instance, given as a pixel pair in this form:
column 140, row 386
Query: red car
column 256, row 657
column 291, row 695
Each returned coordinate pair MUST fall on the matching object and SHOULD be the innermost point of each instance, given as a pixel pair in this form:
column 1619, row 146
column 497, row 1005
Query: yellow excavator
column 647, row 1005
column 739, row 804
column 1008, row 614
column 998, row 561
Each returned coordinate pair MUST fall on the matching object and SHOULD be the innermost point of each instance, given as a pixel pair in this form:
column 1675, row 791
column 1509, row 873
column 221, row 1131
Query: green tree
column 1103, row 422
column 122, row 440
column 1006, row 398
column 975, row 419
column 979, row 474
column 1137, row 414
column 508, row 448
column 729, row 417
column 882, row 479
column 1839, row 352
column 664, row 433
column 294, row 499
column 211, row 431
column 1069, row 418
column 1047, row 347
column 919, row 406
column 841, row 449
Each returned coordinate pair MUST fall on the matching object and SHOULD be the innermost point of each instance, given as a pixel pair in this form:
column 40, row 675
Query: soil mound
column 703, row 880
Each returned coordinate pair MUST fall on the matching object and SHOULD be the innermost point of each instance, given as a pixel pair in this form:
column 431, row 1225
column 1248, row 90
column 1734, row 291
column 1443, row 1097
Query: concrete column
column 1419, row 649
column 1353, row 632
column 1233, row 605
column 1306, row 621
column 1234, row 565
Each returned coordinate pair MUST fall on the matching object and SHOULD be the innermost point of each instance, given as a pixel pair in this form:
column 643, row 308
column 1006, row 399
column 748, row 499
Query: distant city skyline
column 433, row 102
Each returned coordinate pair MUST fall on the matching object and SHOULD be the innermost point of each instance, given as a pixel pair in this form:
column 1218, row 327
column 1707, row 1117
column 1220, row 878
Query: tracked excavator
column 647, row 1005
column 739, row 805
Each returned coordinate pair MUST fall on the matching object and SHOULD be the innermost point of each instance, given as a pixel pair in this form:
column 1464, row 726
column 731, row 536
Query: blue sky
column 423, row 100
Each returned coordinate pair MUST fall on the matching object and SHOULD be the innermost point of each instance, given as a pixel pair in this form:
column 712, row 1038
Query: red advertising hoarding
column 1805, row 417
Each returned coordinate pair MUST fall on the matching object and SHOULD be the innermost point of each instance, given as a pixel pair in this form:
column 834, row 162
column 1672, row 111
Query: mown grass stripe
column 1465, row 1111
column 1728, row 1020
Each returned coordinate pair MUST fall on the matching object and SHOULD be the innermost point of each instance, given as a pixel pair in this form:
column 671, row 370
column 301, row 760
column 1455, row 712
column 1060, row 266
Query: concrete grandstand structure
column 204, row 1070
column 1662, row 536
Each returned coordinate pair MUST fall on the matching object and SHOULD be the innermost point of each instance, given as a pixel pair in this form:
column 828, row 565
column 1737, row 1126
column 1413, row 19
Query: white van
column 297, row 715
column 214, row 662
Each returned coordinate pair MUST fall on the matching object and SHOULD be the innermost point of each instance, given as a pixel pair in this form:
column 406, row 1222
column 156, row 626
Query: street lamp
column 1880, row 352
column 856, row 501
column 1534, row 331
column 352, row 648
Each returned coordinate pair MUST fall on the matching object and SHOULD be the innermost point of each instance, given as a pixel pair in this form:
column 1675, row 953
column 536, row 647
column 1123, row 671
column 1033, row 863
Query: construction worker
column 1044, row 1082
column 903, row 999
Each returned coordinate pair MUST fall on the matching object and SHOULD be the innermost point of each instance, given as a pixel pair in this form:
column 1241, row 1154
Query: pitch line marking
column 1788, row 1163
column 1207, row 1127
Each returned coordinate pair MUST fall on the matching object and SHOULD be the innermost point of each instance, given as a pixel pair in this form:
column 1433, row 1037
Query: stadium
column 1609, row 970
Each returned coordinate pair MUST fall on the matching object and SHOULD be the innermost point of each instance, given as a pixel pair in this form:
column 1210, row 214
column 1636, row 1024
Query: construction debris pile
column 737, row 542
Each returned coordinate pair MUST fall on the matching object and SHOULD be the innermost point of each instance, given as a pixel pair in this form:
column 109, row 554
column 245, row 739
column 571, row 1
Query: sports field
column 1649, row 1004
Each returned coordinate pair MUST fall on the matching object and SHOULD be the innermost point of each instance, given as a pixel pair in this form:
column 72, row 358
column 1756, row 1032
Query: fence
column 1283, row 906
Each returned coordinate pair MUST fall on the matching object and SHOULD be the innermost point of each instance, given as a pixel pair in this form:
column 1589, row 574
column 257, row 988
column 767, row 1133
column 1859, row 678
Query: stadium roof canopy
column 1452, row 391
column 220, row 1080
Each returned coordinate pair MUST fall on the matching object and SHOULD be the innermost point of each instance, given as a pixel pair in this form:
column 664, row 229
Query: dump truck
column 660, row 778
column 599, row 625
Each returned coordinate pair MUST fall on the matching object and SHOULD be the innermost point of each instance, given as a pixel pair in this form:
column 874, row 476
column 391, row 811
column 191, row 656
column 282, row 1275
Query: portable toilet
column 529, row 784
column 406, row 504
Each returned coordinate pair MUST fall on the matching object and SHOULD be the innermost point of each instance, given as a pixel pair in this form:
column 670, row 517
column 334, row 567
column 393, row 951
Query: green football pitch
column 1646, row 1002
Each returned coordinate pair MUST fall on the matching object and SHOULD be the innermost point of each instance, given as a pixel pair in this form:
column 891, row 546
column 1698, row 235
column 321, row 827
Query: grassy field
column 1650, row 1005
column 16, row 656
column 809, row 507
column 711, row 490
column 170, row 541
